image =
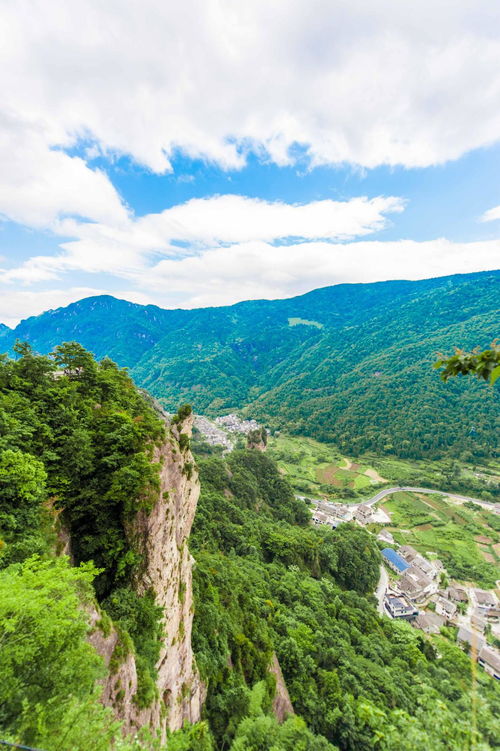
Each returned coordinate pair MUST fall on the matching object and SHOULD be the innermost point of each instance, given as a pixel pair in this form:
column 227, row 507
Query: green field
column 320, row 469
column 465, row 539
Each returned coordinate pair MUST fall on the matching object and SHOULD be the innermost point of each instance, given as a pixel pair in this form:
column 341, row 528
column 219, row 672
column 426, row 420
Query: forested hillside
column 77, row 443
column 350, row 363
column 267, row 583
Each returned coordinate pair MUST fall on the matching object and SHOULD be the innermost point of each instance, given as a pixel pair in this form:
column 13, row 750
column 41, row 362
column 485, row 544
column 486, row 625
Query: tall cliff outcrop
column 161, row 536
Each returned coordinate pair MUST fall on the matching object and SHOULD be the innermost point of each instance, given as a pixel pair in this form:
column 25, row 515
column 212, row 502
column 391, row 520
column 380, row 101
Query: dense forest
column 350, row 364
column 76, row 443
column 268, row 583
column 76, row 447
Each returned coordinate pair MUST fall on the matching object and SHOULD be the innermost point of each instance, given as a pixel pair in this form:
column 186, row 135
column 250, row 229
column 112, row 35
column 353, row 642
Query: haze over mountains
column 350, row 363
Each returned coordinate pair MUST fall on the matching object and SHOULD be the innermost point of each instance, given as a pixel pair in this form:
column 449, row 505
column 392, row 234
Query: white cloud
column 253, row 270
column 490, row 215
column 39, row 184
column 367, row 83
column 258, row 270
column 125, row 247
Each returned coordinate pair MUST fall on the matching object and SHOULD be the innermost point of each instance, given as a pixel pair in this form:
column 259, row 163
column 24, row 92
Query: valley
column 361, row 378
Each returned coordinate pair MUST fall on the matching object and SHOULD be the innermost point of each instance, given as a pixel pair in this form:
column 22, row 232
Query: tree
column 482, row 364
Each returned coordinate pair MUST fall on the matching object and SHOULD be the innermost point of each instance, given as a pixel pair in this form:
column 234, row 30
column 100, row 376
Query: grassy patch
column 319, row 469
column 438, row 525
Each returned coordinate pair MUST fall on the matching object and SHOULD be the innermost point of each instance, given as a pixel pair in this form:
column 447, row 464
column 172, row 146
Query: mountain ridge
column 345, row 363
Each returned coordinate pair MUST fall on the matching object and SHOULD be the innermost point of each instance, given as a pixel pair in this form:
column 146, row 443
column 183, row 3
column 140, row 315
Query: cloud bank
column 381, row 83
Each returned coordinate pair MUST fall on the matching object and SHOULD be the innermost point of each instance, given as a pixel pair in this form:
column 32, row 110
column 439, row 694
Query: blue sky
column 189, row 157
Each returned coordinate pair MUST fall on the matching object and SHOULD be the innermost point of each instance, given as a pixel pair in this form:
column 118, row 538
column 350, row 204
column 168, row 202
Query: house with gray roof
column 489, row 659
column 430, row 623
column 407, row 552
column 446, row 608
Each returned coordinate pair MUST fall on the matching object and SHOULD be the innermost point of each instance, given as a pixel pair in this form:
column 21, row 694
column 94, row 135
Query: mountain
column 113, row 638
column 350, row 363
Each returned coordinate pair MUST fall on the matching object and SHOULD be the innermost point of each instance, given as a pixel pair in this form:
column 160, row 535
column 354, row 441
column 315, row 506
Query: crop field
column 319, row 469
column 465, row 539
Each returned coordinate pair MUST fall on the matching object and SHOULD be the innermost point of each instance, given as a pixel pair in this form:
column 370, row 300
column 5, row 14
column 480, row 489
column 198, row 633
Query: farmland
column 465, row 539
column 320, row 469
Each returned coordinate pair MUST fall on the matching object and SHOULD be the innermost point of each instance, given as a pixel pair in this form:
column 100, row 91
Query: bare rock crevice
column 161, row 536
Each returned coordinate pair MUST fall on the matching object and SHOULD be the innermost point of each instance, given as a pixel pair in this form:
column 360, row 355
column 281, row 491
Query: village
column 223, row 430
column 415, row 589
column 411, row 587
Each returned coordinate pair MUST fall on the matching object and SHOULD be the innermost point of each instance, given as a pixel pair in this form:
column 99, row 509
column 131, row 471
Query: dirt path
column 374, row 475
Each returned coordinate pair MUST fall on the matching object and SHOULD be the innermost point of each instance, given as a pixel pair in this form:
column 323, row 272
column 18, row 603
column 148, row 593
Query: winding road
column 389, row 491
column 382, row 586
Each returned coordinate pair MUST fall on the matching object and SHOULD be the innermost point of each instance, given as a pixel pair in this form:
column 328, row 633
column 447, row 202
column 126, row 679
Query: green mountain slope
column 350, row 363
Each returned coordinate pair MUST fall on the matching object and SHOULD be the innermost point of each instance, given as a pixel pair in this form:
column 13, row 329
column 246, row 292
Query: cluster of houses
column 418, row 584
column 332, row 514
column 212, row 434
column 419, row 578
column 216, row 433
column 235, row 424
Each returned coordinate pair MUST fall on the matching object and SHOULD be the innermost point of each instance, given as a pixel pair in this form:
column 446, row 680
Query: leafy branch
column 482, row 364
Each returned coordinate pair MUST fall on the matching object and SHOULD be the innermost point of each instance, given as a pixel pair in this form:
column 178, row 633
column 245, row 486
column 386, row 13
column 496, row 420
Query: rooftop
column 394, row 558
column 471, row 637
column 491, row 657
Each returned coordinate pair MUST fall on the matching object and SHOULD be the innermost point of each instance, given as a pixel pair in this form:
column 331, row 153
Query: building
column 394, row 561
column 363, row 514
column 430, row 623
column 489, row 659
column 446, row 608
column 321, row 518
column 492, row 614
column 484, row 600
column 416, row 585
column 385, row 536
column 457, row 594
column 478, row 622
column 400, row 607
column 407, row 552
column 471, row 638
column 342, row 511
column 424, row 566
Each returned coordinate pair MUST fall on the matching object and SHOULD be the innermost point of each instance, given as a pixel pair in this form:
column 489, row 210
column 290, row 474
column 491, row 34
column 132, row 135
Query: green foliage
column 482, row 364
column 361, row 377
column 260, row 732
column 182, row 414
column 267, row 582
column 76, row 447
column 140, row 617
column 48, row 669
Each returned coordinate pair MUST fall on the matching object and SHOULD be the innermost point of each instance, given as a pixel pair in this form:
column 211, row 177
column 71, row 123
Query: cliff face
column 162, row 537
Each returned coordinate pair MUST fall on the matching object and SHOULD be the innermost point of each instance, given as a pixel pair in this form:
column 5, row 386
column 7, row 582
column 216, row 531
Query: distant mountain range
column 350, row 363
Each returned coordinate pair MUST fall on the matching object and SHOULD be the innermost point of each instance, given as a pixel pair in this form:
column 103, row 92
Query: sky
column 206, row 152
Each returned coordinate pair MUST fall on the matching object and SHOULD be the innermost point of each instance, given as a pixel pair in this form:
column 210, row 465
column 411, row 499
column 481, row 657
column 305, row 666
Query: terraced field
column 467, row 540
column 319, row 469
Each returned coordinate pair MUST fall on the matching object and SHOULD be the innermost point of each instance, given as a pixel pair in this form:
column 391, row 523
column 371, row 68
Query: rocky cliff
column 161, row 536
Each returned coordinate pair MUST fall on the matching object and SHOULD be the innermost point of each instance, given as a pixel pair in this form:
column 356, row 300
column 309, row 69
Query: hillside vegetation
column 350, row 364
column 266, row 582
column 76, row 444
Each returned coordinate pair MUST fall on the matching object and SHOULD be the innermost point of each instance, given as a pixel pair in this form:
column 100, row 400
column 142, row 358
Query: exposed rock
column 257, row 439
column 162, row 536
column 282, row 704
